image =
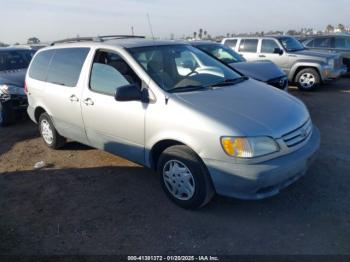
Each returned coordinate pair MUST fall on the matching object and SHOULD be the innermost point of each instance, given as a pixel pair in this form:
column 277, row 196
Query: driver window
column 268, row 46
column 109, row 71
column 185, row 63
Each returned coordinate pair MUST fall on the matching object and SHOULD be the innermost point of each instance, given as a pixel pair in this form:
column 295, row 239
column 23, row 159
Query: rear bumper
column 258, row 181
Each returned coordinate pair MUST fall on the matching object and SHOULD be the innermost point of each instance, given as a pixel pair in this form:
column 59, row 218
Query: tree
column 195, row 35
column 33, row 40
column 329, row 29
column 205, row 33
column 341, row 28
column 3, row 44
column 292, row 32
column 200, row 33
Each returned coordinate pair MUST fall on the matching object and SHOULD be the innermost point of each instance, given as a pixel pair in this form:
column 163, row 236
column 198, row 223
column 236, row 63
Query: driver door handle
column 74, row 98
column 88, row 102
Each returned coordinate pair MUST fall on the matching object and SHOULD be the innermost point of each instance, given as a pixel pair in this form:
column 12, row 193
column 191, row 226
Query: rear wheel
column 184, row 177
column 7, row 114
column 48, row 132
column 308, row 79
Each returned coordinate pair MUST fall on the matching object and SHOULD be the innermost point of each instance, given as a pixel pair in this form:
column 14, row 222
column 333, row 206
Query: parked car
column 335, row 43
column 306, row 68
column 205, row 131
column 13, row 65
column 264, row 71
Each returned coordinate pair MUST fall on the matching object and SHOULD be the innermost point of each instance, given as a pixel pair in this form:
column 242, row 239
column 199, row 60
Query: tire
column 195, row 185
column 49, row 134
column 7, row 115
column 308, row 79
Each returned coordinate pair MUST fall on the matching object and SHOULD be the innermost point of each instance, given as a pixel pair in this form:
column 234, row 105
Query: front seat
column 159, row 75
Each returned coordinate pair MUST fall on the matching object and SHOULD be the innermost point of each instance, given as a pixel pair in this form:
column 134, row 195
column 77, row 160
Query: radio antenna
column 150, row 26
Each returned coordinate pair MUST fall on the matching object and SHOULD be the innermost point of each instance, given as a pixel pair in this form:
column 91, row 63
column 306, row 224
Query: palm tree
column 341, row 28
column 195, row 35
column 205, row 33
column 200, row 33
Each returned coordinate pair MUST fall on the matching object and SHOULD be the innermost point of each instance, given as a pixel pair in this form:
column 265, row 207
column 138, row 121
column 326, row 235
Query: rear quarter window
column 40, row 64
column 66, row 65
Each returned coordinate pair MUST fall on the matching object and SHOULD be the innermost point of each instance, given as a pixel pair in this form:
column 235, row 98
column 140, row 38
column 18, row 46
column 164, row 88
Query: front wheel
column 48, row 132
column 308, row 79
column 184, row 177
column 6, row 114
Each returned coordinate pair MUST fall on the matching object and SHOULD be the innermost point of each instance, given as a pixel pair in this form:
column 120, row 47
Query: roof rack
column 94, row 39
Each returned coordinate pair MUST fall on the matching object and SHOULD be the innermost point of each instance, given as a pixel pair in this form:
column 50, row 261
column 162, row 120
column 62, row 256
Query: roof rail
column 94, row 39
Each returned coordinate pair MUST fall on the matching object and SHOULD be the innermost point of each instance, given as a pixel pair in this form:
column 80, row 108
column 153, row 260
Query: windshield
column 221, row 52
column 15, row 59
column 181, row 67
column 291, row 44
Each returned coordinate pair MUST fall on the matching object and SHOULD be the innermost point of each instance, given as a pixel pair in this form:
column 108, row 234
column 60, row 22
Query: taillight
column 25, row 88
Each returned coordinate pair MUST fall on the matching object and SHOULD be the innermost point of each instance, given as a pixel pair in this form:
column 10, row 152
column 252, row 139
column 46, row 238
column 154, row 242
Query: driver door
column 116, row 127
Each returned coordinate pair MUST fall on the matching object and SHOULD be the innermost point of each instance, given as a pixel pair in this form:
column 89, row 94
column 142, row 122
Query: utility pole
column 132, row 30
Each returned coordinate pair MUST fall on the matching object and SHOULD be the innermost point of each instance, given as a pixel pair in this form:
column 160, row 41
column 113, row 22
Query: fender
column 305, row 63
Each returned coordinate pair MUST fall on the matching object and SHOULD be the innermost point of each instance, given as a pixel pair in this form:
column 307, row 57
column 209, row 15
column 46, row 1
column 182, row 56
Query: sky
column 56, row 19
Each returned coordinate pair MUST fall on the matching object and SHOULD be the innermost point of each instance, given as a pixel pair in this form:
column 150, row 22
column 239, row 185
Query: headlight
column 11, row 90
column 331, row 63
column 249, row 147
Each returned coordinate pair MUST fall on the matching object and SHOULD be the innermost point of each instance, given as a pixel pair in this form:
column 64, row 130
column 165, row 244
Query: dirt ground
column 90, row 202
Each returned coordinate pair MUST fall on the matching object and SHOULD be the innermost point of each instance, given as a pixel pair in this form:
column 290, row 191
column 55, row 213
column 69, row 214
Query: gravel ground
column 89, row 202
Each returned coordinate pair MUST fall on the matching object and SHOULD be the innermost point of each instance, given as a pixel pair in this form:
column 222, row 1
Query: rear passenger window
column 40, row 64
column 248, row 45
column 66, row 66
column 231, row 43
column 268, row 46
column 110, row 71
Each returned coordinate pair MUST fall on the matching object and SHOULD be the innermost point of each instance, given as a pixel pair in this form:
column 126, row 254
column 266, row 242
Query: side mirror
column 278, row 51
column 130, row 93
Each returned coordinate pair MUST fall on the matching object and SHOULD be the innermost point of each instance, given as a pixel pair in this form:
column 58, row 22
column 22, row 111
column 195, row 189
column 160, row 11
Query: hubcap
column 179, row 180
column 307, row 80
column 46, row 131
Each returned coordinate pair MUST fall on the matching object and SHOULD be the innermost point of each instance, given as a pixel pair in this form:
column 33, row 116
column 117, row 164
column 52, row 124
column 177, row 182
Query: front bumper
column 329, row 74
column 258, row 181
column 18, row 102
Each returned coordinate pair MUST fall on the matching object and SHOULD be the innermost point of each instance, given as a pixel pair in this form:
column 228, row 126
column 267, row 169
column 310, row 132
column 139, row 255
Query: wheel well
column 302, row 68
column 38, row 112
column 159, row 148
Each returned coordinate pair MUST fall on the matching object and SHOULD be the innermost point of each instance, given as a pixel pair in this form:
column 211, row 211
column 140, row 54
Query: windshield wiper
column 228, row 82
column 188, row 88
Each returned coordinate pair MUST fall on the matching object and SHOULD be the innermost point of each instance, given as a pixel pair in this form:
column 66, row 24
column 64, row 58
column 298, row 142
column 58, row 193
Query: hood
column 317, row 54
column 250, row 108
column 13, row 77
column 262, row 71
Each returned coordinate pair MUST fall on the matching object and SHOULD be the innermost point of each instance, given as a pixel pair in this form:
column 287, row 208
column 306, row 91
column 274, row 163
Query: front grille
column 298, row 135
column 338, row 63
column 279, row 82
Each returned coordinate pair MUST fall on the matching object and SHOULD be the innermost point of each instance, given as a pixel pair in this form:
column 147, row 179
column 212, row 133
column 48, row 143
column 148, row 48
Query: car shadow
column 113, row 209
column 17, row 132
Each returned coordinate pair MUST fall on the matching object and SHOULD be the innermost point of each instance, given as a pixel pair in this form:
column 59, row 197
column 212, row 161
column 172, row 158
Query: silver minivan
column 168, row 106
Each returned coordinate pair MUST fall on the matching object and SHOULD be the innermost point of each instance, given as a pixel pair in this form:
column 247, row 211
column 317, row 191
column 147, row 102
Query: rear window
column 15, row 59
column 249, row 45
column 66, row 66
column 40, row 64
